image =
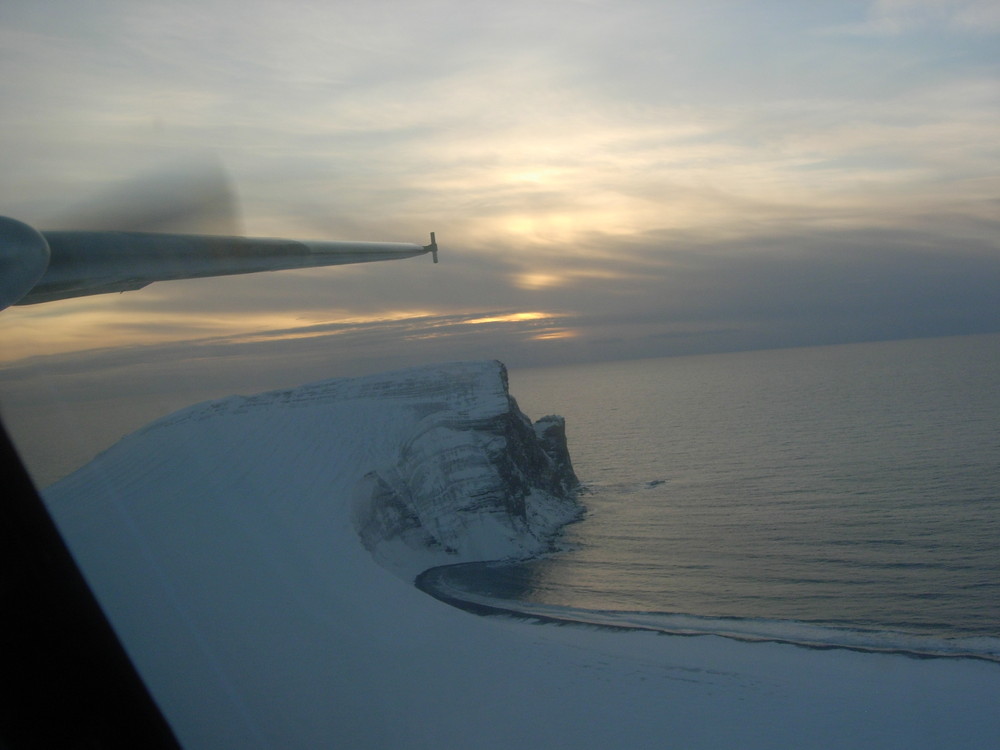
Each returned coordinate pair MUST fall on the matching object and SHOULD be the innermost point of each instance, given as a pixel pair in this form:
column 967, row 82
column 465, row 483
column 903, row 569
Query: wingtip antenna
column 433, row 247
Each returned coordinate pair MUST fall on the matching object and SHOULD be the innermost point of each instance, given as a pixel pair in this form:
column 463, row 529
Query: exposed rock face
column 438, row 463
column 471, row 484
column 223, row 543
column 551, row 433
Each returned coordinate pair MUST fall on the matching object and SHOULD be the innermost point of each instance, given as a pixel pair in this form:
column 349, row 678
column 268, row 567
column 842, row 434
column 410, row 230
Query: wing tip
column 433, row 247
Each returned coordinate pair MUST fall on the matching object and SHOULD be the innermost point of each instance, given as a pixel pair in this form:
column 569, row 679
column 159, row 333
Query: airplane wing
column 46, row 266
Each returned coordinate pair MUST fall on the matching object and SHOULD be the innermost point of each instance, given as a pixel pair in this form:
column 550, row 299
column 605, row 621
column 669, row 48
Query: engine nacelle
column 24, row 256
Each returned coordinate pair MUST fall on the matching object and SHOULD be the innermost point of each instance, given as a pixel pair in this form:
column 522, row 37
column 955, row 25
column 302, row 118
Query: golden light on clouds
column 535, row 281
column 557, row 333
column 87, row 324
column 721, row 171
column 557, row 227
column 93, row 324
column 510, row 318
column 537, row 334
column 550, row 279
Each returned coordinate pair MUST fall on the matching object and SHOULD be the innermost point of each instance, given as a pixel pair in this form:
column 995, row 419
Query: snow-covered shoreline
column 224, row 543
column 471, row 592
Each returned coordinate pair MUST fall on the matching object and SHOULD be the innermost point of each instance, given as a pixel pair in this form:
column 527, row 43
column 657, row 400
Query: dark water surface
column 849, row 492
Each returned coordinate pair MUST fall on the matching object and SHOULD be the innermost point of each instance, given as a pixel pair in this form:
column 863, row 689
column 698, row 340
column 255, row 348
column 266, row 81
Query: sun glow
column 534, row 281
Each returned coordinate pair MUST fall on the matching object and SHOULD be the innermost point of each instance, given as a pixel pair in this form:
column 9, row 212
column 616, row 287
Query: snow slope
column 236, row 547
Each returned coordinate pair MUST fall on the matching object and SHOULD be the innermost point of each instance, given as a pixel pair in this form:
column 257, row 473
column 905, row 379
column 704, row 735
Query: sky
column 607, row 180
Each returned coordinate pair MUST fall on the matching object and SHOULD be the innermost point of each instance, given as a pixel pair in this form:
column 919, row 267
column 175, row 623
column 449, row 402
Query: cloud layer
column 649, row 178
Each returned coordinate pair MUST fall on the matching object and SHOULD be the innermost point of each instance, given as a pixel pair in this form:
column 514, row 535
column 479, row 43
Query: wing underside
column 84, row 263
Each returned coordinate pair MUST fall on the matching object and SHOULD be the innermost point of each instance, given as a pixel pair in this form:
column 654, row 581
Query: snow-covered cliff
column 223, row 542
column 443, row 465
column 471, row 479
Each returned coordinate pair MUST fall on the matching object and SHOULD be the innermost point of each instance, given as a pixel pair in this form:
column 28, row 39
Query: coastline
column 432, row 582
column 222, row 543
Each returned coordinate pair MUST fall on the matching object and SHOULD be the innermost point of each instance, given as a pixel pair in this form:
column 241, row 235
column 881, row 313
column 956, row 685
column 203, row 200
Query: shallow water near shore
column 850, row 492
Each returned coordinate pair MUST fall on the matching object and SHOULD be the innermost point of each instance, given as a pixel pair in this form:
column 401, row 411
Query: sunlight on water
column 852, row 486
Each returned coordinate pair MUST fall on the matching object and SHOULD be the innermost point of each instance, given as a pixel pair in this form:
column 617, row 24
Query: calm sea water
column 843, row 495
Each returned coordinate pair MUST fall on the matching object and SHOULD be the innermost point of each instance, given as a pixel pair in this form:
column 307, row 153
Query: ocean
column 830, row 496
